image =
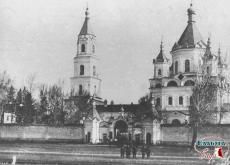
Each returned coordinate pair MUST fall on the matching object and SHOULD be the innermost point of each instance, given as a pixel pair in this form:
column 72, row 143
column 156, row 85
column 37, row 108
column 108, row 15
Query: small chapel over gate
column 170, row 86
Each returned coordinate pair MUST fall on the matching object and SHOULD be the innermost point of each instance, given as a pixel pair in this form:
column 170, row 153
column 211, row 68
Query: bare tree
column 43, row 87
column 42, row 109
column 30, row 82
column 5, row 83
column 204, row 99
column 56, row 103
column 145, row 109
column 223, row 91
column 77, row 107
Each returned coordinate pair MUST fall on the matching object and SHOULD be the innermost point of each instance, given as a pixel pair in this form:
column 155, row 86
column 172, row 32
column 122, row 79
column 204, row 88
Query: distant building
column 9, row 116
column 170, row 86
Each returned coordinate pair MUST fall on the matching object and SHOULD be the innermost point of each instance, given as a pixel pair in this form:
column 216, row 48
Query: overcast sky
column 40, row 36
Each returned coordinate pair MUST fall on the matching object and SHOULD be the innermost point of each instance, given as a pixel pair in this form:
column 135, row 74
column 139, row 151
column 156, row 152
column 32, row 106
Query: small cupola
column 208, row 54
column 161, row 56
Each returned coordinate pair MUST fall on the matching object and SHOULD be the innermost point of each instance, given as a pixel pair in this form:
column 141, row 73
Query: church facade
column 170, row 86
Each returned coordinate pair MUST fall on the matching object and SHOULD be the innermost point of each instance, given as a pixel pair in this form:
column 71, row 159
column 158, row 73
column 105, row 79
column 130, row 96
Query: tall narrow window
column 94, row 70
column 187, row 66
column 80, row 90
column 82, row 70
column 176, row 67
column 159, row 72
column 180, row 100
column 95, row 89
column 170, row 101
column 110, row 135
column 83, row 48
column 208, row 70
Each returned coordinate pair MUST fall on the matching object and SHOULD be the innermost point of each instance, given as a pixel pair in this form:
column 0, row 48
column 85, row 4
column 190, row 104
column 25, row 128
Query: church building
column 170, row 86
column 173, row 80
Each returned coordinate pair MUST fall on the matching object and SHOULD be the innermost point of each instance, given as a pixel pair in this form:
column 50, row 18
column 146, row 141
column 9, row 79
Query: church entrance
column 121, row 131
column 138, row 139
column 88, row 137
column 148, row 138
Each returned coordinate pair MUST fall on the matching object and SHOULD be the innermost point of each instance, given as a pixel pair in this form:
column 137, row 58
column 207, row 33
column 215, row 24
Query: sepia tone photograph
column 114, row 82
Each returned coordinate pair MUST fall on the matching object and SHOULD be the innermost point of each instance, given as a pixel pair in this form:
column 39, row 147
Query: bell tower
column 86, row 75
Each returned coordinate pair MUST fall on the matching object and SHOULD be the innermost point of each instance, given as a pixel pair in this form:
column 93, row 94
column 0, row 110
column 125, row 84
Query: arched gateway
column 120, row 128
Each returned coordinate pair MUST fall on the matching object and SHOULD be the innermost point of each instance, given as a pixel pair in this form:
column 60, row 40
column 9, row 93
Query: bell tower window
column 94, row 70
column 159, row 72
column 82, row 70
column 93, row 49
column 83, row 48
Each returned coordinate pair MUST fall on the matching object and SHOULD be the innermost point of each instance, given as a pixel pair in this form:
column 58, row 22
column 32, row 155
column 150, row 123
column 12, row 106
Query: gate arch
column 120, row 127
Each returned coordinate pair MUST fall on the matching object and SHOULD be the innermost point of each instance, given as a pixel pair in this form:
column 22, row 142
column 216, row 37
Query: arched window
column 187, row 66
column 180, row 100
column 189, row 83
column 93, row 49
column 176, row 122
column 80, row 90
column 191, row 100
column 94, row 70
column 158, row 101
column 158, row 86
column 82, row 70
column 176, row 67
column 159, row 72
column 83, row 48
column 170, row 100
column 172, row 84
